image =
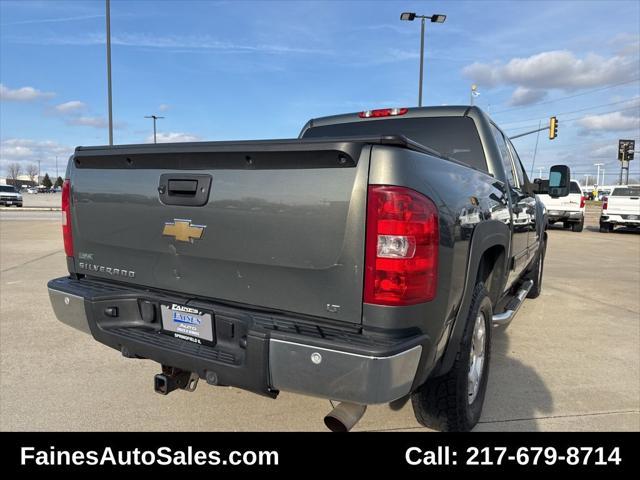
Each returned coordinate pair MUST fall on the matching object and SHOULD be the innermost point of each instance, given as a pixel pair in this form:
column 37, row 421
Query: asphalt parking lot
column 569, row 361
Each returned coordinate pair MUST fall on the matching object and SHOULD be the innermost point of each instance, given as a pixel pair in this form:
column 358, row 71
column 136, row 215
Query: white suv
column 569, row 210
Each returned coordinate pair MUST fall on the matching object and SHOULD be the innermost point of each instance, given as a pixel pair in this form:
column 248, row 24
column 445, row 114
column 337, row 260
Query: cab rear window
column 454, row 137
column 544, row 187
column 626, row 192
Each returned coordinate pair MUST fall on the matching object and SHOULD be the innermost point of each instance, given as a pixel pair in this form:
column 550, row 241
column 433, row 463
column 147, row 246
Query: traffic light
column 626, row 150
column 553, row 128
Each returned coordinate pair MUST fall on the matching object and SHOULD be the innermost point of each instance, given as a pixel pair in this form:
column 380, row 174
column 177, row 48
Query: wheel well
column 491, row 271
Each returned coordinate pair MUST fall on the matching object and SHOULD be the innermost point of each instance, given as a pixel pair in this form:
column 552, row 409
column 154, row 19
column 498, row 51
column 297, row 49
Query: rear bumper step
column 253, row 351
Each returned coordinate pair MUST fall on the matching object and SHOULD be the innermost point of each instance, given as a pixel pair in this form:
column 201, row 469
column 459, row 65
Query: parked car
column 621, row 208
column 10, row 196
column 569, row 210
column 366, row 261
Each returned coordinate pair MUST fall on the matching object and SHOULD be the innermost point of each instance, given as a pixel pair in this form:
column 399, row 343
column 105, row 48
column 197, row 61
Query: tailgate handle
column 184, row 189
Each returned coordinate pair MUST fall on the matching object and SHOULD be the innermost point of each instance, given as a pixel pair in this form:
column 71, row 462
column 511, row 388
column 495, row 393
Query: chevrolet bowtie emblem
column 183, row 231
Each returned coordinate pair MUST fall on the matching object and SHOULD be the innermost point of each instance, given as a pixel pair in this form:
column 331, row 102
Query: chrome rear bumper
column 297, row 366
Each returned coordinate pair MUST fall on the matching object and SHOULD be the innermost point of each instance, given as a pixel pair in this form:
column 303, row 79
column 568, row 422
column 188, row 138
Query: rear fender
column 486, row 235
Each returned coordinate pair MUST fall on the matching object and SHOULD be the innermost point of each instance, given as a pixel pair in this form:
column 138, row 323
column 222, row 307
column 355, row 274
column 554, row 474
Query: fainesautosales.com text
column 141, row 457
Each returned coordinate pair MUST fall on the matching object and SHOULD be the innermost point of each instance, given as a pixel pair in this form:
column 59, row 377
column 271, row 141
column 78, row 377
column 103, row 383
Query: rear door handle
column 184, row 189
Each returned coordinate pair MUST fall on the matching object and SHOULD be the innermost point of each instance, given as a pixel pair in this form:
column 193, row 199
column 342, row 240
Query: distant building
column 22, row 180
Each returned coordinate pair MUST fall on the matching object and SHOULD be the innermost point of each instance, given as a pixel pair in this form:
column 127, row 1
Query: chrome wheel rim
column 477, row 357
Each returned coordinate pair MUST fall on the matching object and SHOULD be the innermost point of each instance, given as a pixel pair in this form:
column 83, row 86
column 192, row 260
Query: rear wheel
column 453, row 402
column 578, row 227
column 606, row 227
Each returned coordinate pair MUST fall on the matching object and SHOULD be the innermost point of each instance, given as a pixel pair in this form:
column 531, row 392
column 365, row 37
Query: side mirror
column 536, row 186
column 559, row 181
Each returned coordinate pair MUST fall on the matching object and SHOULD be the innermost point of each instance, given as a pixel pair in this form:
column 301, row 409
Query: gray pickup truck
column 365, row 262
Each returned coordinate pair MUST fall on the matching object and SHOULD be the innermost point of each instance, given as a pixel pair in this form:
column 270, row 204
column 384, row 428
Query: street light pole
column 421, row 62
column 108, row 15
column 155, row 117
column 598, row 165
column 410, row 17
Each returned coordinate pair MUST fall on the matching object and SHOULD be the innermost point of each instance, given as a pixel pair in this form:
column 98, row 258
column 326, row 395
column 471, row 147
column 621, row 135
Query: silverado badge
column 183, row 231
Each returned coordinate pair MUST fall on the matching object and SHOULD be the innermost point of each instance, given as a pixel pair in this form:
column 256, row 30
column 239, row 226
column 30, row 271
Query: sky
column 234, row 70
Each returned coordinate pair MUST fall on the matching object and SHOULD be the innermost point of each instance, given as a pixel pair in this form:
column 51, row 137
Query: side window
column 504, row 154
column 522, row 177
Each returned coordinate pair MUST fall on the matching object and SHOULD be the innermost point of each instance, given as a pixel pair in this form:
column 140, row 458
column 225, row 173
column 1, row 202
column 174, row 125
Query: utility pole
column 108, row 15
column 535, row 150
column 155, row 117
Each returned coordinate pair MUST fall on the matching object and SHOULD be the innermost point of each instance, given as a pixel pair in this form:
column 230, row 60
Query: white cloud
column 71, row 107
column 173, row 137
column 526, row 96
column 23, row 94
column 560, row 69
column 163, row 107
column 184, row 42
column 54, row 20
column 615, row 121
column 94, row 121
column 26, row 151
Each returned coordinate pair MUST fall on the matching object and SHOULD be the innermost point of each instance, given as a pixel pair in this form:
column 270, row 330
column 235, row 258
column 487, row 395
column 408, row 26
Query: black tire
column 606, row 227
column 566, row 224
column 536, row 272
column 577, row 227
column 442, row 403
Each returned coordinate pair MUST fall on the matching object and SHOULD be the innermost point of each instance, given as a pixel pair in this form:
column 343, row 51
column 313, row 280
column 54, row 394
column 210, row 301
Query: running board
column 502, row 319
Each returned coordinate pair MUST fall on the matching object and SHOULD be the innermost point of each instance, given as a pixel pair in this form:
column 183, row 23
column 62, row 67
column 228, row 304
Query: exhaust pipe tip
column 344, row 416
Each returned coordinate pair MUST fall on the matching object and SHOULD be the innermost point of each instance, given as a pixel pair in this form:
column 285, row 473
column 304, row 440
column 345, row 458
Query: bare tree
column 13, row 172
column 32, row 172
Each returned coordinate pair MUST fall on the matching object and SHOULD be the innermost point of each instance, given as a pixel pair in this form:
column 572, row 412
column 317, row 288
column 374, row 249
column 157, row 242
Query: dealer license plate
column 187, row 323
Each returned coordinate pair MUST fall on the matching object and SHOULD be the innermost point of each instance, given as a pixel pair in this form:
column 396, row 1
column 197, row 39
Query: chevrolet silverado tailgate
column 276, row 225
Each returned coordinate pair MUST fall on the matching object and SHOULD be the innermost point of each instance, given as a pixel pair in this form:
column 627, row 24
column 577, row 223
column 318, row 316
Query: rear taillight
column 383, row 112
column 582, row 201
column 605, row 203
column 401, row 252
column 67, row 236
